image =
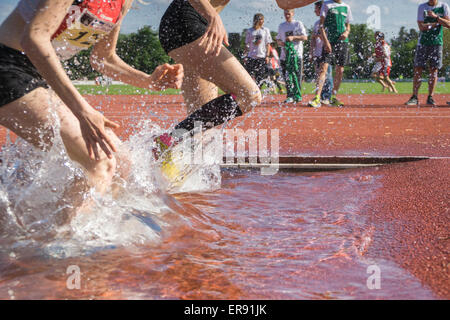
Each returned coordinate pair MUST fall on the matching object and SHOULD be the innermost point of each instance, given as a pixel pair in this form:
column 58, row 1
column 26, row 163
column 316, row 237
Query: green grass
column 346, row 88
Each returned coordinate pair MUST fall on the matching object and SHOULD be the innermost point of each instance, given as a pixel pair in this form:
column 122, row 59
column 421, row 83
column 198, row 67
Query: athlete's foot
column 430, row 101
column 315, row 103
column 335, row 102
column 289, row 100
column 162, row 151
column 298, row 100
column 325, row 101
column 163, row 143
column 413, row 101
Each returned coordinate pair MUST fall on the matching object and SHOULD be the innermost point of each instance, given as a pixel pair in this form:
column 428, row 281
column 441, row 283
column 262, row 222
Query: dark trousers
column 257, row 68
column 290, row 93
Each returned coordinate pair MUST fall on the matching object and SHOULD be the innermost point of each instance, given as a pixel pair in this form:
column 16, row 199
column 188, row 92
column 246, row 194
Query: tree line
column 143, row 51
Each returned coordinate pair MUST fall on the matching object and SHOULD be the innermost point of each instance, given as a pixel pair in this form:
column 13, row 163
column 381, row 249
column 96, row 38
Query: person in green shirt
column 431, row 17
column 335, row 18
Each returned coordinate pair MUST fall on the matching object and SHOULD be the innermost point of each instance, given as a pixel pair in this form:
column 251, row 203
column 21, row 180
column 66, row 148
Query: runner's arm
column 292, row 4
column 323, row 35
column 36, row 42
column 105, row 60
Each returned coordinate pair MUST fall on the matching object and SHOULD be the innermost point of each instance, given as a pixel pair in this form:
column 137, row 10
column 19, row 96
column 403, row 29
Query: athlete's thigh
column 196, row 90
column 224, row 70
column 30, row 118
column 37, row 115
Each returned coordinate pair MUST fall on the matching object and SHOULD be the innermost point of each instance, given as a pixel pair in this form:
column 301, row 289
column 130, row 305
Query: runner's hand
column 327, row 47
column 215, row 36
column 93, row 129
column 167, row 76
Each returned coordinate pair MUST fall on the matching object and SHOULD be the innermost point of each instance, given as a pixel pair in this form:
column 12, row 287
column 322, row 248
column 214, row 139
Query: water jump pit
column 352, row 205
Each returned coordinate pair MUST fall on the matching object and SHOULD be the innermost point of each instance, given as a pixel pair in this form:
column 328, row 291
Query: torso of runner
column 86, row 22
column 383, row 53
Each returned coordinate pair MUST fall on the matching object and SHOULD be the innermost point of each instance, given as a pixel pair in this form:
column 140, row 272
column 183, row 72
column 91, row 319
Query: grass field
column 346, row 88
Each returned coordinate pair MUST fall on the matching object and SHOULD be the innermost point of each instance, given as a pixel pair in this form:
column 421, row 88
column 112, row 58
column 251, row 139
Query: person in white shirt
column 291, row 31
column 257, row 42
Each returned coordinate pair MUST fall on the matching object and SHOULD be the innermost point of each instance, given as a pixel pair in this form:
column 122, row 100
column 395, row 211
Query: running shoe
column 162, row 151
column 289, row 100
column 298, row 100
column 413, row 101
column 315, row 103
column 325, row 101
column 430, row 101
column 448, row 102
column 335, row 102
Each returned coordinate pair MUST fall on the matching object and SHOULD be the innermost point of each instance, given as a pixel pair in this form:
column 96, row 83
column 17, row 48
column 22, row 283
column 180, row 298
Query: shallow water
column 238, row 235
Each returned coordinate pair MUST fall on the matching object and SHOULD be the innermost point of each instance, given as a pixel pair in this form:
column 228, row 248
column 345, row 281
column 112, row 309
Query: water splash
column 45, row 202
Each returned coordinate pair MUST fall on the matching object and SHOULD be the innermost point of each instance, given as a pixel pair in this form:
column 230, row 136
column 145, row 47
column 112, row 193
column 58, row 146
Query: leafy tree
column 403, row 50
column 142, row 50
column 361, row 41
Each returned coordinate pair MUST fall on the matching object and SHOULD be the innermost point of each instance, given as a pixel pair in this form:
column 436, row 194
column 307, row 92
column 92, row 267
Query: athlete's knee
column 102, row 171
column 249, row 99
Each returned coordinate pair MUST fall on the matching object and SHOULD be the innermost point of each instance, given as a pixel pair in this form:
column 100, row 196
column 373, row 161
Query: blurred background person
column 292, row 32
column 257, row 53
column 431, row 17
column 316, row 54
column 335, row 18
column 382, row 70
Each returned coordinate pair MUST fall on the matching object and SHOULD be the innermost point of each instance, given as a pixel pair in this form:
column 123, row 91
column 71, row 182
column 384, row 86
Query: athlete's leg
column 224, row 70
column 30, row 118
column 321, row 75
column 338, row 79
column 391, row 84
column 377, row 78
column 196, row 91
column 432, row 81
column 417, row 80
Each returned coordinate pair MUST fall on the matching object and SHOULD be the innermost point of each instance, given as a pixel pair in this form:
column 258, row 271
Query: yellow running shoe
column 315, row 103
column 335, row 102
column 168, row 167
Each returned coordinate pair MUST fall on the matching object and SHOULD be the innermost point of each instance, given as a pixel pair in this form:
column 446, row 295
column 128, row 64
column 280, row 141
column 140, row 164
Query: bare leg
column 338, row 79
column 223, row 70
column 28, row 117
column 391, row 84
column 196, row 91
column 417, row 82
column 378, row 79
column 432, row 80
column 321, row 75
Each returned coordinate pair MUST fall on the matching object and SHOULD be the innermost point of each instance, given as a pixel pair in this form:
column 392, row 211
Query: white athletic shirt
column 318, row 48
column 257, row 41
column 294, row 28
column 85, row 24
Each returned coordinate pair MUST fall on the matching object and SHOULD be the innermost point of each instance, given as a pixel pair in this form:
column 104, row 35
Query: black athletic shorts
column 181, row 24
column 18, row 76
column 339, row 55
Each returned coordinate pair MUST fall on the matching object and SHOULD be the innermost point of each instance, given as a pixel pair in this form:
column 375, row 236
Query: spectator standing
column 316, row 54
column 257, row 42
column 431, row 17
column 292, row 32
column 335, row 18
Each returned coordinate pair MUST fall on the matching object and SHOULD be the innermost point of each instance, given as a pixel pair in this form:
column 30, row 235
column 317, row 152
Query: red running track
column 412, row 208
column 370, row 125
